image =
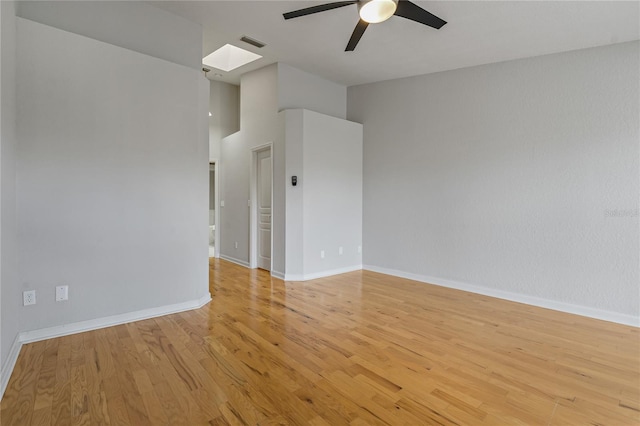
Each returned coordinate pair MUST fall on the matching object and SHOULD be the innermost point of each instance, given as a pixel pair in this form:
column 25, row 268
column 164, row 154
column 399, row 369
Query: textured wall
column 259, row 125
column 9, row 289
column 111, row 178
column 332, row 193
column 519, row 176
column 324, row 210
column 263, row 93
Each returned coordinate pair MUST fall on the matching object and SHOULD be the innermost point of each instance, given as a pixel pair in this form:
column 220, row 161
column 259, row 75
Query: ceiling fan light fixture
column 376, row 11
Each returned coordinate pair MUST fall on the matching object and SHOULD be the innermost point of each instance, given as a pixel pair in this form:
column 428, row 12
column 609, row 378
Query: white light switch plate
column 62, row 293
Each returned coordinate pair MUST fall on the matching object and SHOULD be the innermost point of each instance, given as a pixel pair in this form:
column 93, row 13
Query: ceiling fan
column 373, row 12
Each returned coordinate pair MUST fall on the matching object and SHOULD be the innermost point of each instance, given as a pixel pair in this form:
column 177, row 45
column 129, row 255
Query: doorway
column 261, row 205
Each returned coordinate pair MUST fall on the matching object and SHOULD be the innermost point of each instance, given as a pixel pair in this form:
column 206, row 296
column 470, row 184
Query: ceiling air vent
column 252, row 41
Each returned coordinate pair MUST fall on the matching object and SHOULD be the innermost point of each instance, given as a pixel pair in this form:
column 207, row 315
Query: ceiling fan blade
column 316, row 9
column 412, row 11
column 356, row 35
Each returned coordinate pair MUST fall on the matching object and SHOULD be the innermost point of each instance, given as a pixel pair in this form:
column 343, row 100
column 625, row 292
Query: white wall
column 224, row 105
column 263, row 93
column 112, row 178
column 293, row 125
column 258, row 126
column 9, row 291
column 299, row 89
column 508, row 176
column 324, row 210
column 332, row 207
column 130, row 24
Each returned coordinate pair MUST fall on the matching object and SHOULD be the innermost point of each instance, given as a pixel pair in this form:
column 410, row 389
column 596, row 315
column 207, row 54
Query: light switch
column 62, row 293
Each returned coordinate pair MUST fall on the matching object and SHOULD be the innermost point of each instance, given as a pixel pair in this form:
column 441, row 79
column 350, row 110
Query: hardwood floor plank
column 98, row 408
column 79, row 392
column 61, row 409
column 117, row 410
column 154, row 409
column 103, row 362
column 353, row 349
column 41, row 417
column 46, row 379
column 22, row 391
column 173, row 407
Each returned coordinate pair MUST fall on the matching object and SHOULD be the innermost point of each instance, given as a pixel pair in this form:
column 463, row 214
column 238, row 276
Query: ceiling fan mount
column 373, row 12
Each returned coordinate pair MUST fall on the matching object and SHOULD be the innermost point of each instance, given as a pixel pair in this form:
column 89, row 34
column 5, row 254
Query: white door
column 264, row 209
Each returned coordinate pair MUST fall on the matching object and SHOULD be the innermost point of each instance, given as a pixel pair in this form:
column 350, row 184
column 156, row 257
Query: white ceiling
column 477, row 32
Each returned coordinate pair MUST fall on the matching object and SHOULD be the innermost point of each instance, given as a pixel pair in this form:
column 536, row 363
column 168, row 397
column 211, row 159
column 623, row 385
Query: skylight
column 229, row 57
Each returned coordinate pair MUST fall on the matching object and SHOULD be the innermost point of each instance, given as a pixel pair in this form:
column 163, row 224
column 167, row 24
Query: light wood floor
column 359, row 348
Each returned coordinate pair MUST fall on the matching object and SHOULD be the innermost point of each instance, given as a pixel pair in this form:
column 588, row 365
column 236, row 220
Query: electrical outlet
column 29, row 297
column 340, row 251
column 62, row 293
column 236, row 244
column 321, row 254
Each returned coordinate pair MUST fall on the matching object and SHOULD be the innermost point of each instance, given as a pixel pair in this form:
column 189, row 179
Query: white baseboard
column 95, row 324
column 297, row 277
column 322, row 274
column 9, row 364
column 234, row 260
column 276, row 274
column 584, row 311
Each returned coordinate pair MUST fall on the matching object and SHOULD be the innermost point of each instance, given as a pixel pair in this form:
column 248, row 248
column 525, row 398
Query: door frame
column 253, row 205
column 216, row 205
